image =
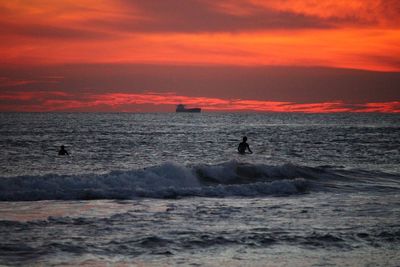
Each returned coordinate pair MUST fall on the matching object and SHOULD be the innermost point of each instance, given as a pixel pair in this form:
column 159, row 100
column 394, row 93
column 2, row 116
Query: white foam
column 167, row 180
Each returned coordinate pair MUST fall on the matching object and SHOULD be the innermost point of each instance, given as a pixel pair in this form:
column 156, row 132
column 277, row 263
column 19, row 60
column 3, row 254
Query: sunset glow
column 356, row 35
column 59, row 101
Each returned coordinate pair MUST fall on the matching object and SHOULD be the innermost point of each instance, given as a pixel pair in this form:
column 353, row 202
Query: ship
column 182, row 108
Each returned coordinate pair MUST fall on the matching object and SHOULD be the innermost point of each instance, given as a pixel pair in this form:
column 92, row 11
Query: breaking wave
column 171, row 180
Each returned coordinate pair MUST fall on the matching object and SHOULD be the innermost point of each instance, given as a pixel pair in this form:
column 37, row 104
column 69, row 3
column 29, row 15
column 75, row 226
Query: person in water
column 243, row 146
column 62, row 151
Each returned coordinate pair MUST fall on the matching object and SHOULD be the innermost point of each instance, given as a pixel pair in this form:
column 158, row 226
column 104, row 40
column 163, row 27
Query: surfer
column 62, row 151
column 243, row 146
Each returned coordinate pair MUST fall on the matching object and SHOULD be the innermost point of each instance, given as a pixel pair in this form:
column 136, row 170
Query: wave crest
column 169, row 180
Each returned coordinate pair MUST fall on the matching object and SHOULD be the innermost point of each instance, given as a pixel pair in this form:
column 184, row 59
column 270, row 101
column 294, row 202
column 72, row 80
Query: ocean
column 170, row 189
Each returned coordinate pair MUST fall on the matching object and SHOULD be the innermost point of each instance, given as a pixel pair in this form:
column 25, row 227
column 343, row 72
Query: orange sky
column 357, row 34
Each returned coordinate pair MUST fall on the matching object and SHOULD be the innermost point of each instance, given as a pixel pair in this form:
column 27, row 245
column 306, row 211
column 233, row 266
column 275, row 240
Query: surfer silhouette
column 62, row 151
column 243, row 146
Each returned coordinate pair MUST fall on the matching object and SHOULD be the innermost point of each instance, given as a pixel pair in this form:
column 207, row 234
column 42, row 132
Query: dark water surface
column 170, row 189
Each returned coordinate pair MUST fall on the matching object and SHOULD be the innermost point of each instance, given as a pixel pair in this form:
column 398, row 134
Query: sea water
column 170, row 189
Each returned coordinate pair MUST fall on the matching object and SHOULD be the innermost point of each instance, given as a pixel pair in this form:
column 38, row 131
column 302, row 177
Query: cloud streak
column 44, row 101
column 348, row 34
column 193, row 16
column 8, row 82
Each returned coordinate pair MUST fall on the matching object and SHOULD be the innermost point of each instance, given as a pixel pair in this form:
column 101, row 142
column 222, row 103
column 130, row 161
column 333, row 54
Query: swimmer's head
column 244, row 138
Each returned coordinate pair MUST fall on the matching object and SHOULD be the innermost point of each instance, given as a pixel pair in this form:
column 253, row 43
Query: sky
column 227, row 55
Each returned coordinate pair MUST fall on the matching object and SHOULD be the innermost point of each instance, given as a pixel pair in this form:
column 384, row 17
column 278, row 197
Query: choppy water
column 170, row 189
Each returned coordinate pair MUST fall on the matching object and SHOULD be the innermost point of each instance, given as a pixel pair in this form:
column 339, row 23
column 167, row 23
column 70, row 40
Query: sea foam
column 171, row 180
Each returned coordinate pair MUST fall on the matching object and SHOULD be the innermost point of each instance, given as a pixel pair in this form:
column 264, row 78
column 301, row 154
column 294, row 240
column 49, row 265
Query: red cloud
column 350, row 34
column 61, row 101
column 7, row 82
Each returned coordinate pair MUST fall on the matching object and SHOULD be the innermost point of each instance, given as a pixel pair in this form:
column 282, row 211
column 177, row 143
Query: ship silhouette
column 182, row 108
